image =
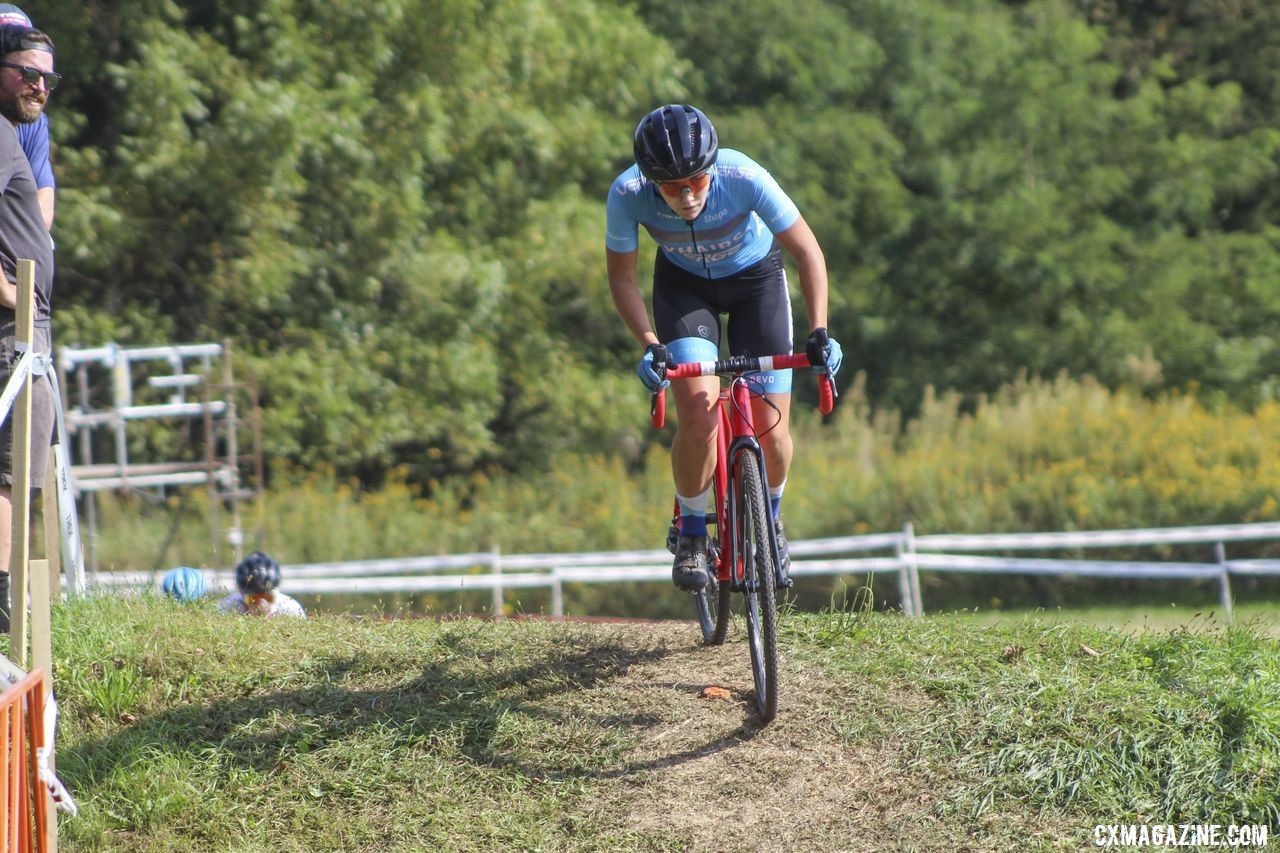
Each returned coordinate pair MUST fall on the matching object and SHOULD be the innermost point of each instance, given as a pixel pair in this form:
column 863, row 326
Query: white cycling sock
column 693, row 513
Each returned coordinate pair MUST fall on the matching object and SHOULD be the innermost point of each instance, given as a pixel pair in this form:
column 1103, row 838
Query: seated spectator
column 257, row 579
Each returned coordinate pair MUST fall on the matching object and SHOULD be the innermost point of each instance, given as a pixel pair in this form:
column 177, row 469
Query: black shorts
column 42, row 412
column 756, row 301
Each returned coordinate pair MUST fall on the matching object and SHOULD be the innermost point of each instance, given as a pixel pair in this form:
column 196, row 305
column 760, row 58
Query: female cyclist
column 721, row 222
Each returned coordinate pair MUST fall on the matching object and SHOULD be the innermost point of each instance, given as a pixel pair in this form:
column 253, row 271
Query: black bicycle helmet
column 674, row 142
column 257, row 574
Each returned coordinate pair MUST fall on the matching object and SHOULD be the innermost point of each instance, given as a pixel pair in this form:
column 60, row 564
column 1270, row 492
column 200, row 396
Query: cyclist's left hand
column 823, row 349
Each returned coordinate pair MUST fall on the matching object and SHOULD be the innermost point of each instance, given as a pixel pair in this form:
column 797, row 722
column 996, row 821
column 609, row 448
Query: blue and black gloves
column 648, row 373
column 823, row 349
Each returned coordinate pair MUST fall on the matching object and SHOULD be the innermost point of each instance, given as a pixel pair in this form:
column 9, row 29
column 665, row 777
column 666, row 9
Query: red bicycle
column 744, row 550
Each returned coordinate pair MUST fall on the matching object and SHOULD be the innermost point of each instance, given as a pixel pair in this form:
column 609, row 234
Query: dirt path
column 706, row 768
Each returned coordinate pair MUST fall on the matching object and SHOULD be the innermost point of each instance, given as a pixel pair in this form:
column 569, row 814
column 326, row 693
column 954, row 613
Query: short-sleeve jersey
column 745, row 207
column 281, row 605
column 22, row 231
column 35, row 144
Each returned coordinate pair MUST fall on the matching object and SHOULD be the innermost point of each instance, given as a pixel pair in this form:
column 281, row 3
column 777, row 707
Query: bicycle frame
column 744, row 523
column 735, row 437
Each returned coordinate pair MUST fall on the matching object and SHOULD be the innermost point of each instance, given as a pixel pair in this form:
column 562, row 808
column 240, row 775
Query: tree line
column 395, row 210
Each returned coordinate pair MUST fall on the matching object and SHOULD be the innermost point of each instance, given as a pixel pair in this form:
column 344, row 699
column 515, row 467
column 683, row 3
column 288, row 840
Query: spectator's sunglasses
column 696, row 183
column 32, row 76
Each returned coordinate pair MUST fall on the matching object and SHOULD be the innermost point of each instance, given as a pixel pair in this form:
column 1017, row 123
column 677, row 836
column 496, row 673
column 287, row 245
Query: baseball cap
column 14, row 39
column 12, row 16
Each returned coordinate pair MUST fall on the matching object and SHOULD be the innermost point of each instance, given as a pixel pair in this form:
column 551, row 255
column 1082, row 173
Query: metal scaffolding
column 199, row 414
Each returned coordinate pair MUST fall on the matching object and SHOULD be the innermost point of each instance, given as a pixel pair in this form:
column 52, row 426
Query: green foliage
column 338, row 205
column 397, row 217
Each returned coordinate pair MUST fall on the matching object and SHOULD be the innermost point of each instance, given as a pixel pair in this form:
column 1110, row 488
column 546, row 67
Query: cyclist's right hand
column 648, row 367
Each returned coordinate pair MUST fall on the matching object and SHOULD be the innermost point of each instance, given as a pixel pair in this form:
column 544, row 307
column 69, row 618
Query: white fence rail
column 497, row 572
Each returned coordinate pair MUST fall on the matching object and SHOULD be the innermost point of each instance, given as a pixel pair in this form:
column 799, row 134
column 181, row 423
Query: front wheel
column 752, row 528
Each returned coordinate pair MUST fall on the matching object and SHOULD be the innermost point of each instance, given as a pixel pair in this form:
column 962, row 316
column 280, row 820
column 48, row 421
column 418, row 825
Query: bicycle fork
column 746, row 446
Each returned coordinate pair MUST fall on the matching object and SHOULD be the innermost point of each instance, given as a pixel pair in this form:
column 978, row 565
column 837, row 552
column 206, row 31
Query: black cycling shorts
column 756, row 301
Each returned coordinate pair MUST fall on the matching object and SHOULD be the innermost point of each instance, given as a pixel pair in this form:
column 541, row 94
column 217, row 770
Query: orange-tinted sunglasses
column 695, row 183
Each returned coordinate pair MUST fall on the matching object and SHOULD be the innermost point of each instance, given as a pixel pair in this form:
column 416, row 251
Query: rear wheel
column 754, row 523
column 713, row 603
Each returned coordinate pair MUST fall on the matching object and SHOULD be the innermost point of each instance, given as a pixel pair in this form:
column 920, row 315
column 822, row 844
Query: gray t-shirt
column 22, row 231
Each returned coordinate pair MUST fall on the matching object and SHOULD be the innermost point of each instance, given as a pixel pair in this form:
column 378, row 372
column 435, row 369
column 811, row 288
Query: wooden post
column 42, row 661
column 20, row 552
column 41, row 615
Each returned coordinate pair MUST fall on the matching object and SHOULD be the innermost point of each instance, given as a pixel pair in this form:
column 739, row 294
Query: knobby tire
column 753, row 528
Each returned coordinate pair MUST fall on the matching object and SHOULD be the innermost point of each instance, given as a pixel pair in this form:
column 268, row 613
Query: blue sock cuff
column 693, row 525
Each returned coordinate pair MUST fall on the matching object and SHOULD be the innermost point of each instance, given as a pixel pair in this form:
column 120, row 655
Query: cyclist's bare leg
column 693, row 451
column 775, row 442
column 693, row 461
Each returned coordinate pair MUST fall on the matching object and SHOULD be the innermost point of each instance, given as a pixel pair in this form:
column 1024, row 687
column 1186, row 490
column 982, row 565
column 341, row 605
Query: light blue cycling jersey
column 745, row 207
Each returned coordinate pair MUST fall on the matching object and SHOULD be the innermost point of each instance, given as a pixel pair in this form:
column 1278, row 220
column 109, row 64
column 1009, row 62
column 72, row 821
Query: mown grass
column 1261, row 617
column 187, row 729
column 1156, row 727
column 321, row 735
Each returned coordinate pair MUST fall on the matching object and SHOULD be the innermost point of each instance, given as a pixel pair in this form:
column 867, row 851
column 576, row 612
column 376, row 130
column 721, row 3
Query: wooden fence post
column 20, row 423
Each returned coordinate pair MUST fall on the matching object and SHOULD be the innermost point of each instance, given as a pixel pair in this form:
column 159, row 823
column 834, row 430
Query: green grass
column 1262, row 617
column 187, row 729
column 1163, row 726
column 310, row 735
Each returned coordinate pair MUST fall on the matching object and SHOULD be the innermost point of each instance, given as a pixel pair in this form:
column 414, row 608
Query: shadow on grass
column 469, row 701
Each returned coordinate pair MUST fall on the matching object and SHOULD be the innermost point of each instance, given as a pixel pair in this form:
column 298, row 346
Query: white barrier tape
column 68, row 519
column 62, row 799
column 42, row 362
column 17, row 376
column 58, row 792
